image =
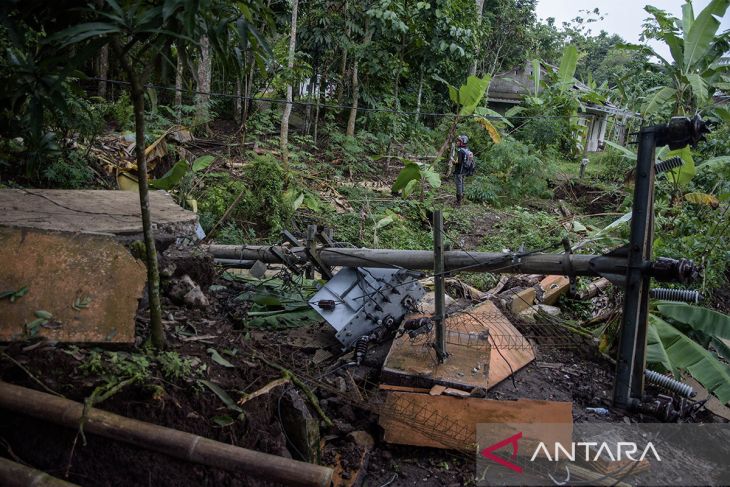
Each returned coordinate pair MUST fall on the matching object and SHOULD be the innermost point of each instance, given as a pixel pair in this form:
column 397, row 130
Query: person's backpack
column 468, row 166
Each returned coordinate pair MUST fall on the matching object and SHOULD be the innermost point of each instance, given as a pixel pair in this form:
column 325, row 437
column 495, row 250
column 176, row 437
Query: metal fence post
column 438, row 270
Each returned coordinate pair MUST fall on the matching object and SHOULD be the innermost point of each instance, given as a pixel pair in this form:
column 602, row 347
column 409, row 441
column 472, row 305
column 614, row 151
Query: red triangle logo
column 487, row 452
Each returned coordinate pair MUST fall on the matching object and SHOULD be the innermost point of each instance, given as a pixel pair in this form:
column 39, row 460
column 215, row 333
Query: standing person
column 463, row 166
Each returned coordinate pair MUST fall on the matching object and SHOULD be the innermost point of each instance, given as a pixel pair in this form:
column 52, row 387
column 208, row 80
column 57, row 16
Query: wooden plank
column 62, row 269
column 450, row 422
column 388, row 387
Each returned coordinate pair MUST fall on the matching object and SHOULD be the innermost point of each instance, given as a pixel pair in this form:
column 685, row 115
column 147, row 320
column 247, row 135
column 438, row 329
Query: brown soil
column 588, row 199
column 564, row 375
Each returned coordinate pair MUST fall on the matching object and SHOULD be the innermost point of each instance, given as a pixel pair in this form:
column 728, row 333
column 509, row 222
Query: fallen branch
column 264, row 390
column 172, row 442
column 594, row 288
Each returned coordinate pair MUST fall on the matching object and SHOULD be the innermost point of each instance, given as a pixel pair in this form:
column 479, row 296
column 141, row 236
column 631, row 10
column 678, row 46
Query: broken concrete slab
column 472, row 361
column 90, row 284
column 185, row 291
column 427, row 304
column 553, row 287
column 411, row 361
column 95, row 211
column 450, row 422
column 532, row 314
column 301, row 426
column 522, row 300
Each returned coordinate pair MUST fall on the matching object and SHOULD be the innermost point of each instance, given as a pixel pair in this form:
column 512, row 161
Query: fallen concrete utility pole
column 174, row 443
column 16, row 475
column 613, row 266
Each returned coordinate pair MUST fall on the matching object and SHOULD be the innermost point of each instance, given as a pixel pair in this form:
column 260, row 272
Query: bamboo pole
column 16, row 475
column 174, row 443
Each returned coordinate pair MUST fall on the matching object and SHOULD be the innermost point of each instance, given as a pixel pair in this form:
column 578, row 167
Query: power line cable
column 330, row 105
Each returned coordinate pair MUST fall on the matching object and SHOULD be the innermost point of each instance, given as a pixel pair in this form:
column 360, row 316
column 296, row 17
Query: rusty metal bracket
column 283, row 258
column 312, row 254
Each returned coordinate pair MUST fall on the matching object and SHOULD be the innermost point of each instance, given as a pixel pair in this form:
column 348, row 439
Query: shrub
column 543, row 133
column 71, row 172
column 266, row 181
column 220, row 192
column 512, row 171
column 481, row 189
column 611, row 164
column 536, row 230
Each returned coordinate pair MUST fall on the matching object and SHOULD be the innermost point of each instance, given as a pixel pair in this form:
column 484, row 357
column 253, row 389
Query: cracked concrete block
column 553, row 287
column 89, row 284
column 522, row 300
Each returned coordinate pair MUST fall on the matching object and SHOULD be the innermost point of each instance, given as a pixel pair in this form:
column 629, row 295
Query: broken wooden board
column 94, row 211
column 90, row 284
column 450, row 422
column 412, row 362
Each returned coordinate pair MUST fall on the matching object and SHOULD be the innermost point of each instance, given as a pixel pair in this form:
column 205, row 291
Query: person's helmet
column 463, row 139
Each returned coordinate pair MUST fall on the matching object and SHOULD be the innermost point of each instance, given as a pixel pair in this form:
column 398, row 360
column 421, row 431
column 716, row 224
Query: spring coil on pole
column 361, row 348
column 681, row 295
column 669, row 384
column 668, row 165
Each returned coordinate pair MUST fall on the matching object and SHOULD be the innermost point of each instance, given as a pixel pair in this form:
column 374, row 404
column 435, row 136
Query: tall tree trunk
column 340, row 93
column 178, row 84
column 320, row 95
column 310, row 99
column 420, row 94
column 284, row 141
column 103, row 70
column 204, row 77
column 480, row 10
column 157, row 332
column 355, row 97
column 238, row 112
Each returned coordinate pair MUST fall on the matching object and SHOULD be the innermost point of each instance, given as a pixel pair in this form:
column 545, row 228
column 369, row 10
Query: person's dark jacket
column 461, row 156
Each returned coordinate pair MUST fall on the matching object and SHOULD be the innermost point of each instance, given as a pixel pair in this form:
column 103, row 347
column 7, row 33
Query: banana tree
column 695, row 70
column 690, row 338
column 467, row 98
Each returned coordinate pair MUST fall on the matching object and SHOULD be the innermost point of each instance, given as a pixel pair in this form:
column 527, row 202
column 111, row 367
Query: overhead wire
column 328, row 105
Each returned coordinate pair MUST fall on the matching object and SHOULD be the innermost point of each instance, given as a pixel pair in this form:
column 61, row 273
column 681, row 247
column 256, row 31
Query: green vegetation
column 382, row 88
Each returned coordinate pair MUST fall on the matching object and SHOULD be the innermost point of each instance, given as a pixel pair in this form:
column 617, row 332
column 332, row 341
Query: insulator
column 327, row 304
column 361, row 348
column 669, row 384
column 682, row 295
column 668, row 165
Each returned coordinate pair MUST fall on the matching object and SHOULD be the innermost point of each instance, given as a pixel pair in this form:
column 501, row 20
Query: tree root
column 95, row 398
column 33, row 377
column 288, row 374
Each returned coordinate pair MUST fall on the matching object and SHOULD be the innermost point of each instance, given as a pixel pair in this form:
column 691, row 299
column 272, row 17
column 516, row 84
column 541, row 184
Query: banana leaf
column 705, row 320
column 667, row 346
